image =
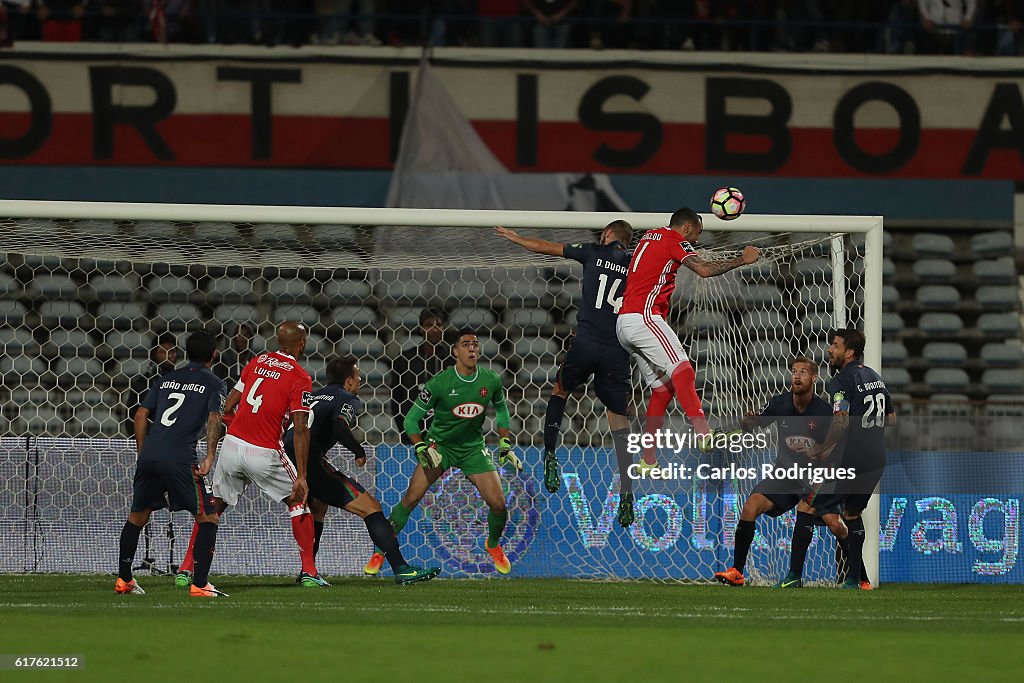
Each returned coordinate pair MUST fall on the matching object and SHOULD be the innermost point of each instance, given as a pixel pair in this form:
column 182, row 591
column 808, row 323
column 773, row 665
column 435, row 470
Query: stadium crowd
column 983, row 27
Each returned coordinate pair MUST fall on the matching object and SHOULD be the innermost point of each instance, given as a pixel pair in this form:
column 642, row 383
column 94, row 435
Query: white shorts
column 654, row 345
column 240, row 462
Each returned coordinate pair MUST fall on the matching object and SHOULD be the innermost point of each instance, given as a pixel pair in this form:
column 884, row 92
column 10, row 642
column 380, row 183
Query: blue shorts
column 607, row 363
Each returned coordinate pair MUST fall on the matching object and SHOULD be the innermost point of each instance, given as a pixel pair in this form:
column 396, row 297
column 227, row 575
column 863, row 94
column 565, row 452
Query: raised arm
column 537, row 246
column 712, row 268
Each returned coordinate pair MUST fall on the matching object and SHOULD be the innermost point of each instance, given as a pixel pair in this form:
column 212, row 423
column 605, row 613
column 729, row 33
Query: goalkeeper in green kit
column 459, row 397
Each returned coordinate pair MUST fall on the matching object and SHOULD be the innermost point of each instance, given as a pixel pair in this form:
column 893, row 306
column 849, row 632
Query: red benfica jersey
column 652, row 272
column 273, row 386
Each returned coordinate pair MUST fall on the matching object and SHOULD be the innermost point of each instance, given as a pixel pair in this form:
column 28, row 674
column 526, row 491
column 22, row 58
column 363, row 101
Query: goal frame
column 869, row 226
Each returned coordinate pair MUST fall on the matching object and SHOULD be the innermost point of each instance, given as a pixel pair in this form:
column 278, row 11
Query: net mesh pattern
column 83, row 303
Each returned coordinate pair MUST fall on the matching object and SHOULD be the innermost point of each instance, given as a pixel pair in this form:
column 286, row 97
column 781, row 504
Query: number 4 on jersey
column 252, row 398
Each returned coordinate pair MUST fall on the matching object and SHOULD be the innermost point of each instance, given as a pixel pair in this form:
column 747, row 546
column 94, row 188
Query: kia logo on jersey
column 467, row 410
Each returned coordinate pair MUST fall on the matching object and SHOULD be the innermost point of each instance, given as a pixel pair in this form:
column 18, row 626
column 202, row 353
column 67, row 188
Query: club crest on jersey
column 484, row 392
column 467, row 411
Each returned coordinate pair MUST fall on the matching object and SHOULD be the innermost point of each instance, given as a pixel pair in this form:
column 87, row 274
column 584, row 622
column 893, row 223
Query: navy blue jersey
column 180, row 403
column 859, row 390
column 604, row 281
column 330, row 404
column 794, row 426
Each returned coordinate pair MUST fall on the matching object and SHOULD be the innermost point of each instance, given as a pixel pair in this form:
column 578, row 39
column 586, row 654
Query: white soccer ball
column 728, row 203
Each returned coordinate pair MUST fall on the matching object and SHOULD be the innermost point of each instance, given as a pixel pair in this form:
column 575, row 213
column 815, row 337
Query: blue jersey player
column 333, row 411
column 862, row 409
column 183, row 405
column 799, row 415
column 595, row 349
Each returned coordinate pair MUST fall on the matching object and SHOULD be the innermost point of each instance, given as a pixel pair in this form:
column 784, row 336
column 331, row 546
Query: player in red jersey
column 641, row 326
column 273, row 390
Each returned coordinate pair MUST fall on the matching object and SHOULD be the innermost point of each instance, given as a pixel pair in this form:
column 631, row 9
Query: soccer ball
column 728, row 203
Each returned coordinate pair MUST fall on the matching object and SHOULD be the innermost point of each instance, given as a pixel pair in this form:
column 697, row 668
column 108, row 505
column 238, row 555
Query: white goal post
column 34, row 229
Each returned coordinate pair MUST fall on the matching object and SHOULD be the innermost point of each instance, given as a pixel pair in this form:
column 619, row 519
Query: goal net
column 91, row 295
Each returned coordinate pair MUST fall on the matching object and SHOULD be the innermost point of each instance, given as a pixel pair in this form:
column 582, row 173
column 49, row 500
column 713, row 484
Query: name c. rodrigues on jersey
column 601, row 263
column 871, row 385
column 467, row 411
column 177, row 386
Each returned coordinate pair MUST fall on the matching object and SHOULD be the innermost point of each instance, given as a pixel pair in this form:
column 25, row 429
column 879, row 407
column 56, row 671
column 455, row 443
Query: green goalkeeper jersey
column 460, row 406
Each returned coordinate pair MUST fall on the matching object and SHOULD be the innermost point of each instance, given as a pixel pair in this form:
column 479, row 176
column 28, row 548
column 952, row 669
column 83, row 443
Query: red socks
column 305, row 535
column 683, row 378
column 187, row 563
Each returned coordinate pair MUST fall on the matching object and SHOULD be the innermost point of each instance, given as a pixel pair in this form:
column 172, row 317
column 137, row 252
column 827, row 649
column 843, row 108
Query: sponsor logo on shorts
column 467, row 411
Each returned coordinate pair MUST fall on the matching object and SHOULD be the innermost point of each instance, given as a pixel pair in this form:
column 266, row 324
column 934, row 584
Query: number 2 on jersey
column 167, row 419
column 602, row 285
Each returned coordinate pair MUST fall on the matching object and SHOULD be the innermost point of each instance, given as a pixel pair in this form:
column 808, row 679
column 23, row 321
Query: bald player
column 272, row 390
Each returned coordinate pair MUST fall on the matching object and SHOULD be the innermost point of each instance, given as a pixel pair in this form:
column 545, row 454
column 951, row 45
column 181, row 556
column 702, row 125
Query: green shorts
column 475, row 460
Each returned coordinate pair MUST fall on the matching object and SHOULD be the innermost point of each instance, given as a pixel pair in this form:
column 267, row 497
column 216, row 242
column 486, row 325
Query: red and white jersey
column 273, row 386
column 652, row 272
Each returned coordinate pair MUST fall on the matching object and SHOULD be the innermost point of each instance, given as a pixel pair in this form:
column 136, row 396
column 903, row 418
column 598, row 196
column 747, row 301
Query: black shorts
column 857, row 491
column 608, row 363
column 781, row 495
column 184, row 487
column 330, row 485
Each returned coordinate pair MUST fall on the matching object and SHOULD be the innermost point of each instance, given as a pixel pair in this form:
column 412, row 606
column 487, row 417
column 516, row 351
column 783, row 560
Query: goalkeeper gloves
column 428, row 455
column 506, row 456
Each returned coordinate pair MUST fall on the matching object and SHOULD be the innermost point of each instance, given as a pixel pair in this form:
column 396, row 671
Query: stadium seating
column 990, row 244
column 999, row 324
column 940, row 323
column 930, row 245
column 932, row 270
column 1002, row 355
column 999, row 271
column 938, row 297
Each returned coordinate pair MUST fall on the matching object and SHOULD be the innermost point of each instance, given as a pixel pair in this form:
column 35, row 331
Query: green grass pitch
column 522, row 630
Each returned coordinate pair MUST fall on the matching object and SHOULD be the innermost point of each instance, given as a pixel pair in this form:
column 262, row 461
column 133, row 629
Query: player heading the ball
column 459, row 397
column 594, row 350
column 642, row 329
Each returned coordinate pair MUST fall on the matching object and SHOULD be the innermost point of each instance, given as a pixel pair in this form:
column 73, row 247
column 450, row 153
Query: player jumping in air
column 459, row 397
column 594, row 350
column 333, row 411
column 642, row 329
column 798, row 414
column 862, row 409
column 182, row 403
column 273, row 387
